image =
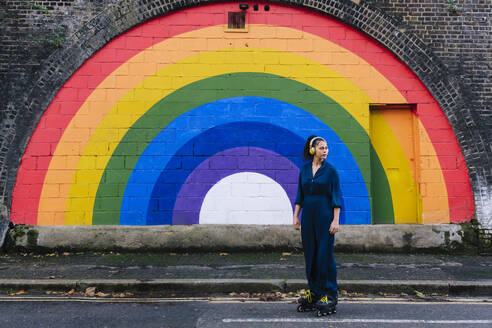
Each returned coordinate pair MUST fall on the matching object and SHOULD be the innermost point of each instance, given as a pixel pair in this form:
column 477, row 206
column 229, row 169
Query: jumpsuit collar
column 323, row 165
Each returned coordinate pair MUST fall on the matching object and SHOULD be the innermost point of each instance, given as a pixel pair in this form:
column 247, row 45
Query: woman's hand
column 295, row 223
column 336, row 221
column 334, row 227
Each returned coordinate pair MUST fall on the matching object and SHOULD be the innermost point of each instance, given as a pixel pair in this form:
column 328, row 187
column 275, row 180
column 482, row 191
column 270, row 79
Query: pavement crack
column 260, row 266
column 102, row 267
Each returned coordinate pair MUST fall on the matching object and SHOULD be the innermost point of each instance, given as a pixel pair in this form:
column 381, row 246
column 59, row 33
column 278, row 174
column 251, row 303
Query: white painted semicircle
column 246, row 198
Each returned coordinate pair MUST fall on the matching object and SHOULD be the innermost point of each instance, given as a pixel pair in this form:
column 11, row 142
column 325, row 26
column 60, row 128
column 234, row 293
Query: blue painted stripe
column 171, row 155
column 239, row 134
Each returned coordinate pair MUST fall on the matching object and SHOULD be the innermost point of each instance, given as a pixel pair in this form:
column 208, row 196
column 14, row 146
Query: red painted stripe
column 461, row 205
column 75, row 91
column 69, row 100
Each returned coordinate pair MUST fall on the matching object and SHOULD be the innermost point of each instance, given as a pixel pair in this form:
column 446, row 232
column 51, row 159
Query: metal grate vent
column 236, row 20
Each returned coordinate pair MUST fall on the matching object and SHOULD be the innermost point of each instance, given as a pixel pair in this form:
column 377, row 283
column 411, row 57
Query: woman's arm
column 336, row 202
column 336, row 220
column 295, row 221
column 299, row 200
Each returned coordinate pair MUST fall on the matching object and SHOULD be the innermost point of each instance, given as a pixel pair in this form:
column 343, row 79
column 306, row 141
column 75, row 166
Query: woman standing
column 318, row 195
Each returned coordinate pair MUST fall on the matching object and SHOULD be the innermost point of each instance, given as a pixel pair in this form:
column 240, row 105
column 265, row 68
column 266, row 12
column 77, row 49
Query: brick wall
column 43, row 42
column 458, row 33
column 31, row 31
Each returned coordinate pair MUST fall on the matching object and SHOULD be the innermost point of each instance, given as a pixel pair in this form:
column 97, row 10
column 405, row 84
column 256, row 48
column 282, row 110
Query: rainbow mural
column 183, row 121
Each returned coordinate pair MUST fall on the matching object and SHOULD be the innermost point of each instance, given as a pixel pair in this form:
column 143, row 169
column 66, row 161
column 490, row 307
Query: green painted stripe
column 381, row 205
column 111, row 189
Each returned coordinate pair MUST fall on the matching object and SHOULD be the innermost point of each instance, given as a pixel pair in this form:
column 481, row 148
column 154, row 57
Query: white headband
column 312, row 140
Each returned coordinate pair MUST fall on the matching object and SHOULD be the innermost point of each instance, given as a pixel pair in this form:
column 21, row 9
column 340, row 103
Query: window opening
column 236, row 21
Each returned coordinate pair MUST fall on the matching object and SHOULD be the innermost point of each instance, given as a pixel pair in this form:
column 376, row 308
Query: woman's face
column 321, row 150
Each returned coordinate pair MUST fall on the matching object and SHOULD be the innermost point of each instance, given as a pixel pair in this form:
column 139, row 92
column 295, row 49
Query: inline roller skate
column 307, row 302
column 326, row 306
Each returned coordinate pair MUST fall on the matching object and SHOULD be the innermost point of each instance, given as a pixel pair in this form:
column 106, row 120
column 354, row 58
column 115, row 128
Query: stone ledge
column 439, row 238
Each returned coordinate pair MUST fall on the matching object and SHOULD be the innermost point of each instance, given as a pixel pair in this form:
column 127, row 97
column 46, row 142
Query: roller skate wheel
column 319, row 314
column 300, row 308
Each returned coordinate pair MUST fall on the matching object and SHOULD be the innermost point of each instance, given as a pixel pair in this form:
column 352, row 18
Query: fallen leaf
column 90, row 291
column 286, row 254
column 419, row 294
column 66, row 253
column 20, row 292
column 223, row 254
column 101, row 294
column 282, row 259
column 71, row 292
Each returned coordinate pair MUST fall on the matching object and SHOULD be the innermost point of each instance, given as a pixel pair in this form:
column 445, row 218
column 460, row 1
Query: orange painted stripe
column 140, row 67
column 343, row 35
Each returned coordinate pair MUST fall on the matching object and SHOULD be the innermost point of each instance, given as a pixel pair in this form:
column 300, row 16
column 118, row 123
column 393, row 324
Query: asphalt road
column 62, row 312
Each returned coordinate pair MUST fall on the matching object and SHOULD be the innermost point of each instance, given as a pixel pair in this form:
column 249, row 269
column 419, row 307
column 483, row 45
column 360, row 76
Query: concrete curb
column 200, row 287
column 394, row 238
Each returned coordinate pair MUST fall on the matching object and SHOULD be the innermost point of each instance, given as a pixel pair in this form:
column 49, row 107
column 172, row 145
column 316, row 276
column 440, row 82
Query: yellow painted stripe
column 137, row 102
column 404, row 191
column 114, row 94
column 60, row 174
column 434, row 196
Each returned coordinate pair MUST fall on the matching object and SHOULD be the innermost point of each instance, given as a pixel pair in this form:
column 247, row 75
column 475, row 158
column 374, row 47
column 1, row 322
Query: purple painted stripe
column 231, row 161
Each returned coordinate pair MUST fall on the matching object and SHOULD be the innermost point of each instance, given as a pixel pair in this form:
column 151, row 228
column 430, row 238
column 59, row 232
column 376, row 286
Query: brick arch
column 116, row 19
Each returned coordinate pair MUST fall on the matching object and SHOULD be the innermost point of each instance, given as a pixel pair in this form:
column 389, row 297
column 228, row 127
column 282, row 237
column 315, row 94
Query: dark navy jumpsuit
column 318, row 196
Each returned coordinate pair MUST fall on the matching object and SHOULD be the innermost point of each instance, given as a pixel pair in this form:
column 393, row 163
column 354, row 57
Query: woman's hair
column 305, row 153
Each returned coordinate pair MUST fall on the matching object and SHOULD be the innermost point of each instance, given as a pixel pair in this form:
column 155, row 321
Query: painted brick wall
column 30, row 31
column 458, row 32
column 34, row 30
